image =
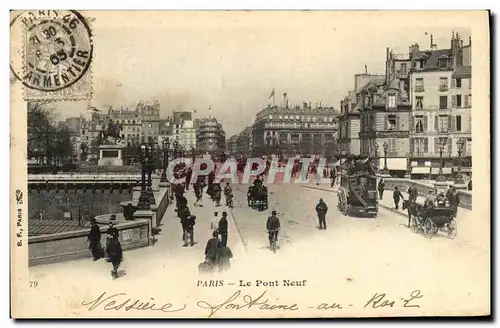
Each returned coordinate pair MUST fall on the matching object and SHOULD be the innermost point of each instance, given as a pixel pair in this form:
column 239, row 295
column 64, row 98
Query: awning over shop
column 446, row 170
column 394, row 163
column 465, row 169
column 420, row 170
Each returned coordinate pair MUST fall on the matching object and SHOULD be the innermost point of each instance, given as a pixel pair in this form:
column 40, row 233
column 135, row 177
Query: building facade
column 441, row 108
column 350, row 118
column 244, row 141
column 231, row 145
column 295, row 130
column 210, row 136
column 385, row 109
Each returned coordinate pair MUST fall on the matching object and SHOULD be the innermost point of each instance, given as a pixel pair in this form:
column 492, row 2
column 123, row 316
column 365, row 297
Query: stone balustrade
column 423, row 188
column 73, row 245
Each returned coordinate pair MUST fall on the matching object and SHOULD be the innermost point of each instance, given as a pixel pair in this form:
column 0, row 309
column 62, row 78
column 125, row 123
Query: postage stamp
column 56, row 54
column 315, row 164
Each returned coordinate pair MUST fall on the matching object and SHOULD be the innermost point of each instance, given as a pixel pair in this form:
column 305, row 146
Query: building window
column 458, row 82
column 459, row 101
column 442, row 123
column 443, row 62
column 443, row 102
column 419, row 84
column 420, row 146
column 467, row 101
column 458, row 123
column 443, row 84
column 391, row 100
column 419, row 102
column 391, row 122
column 403, row 68
column 419, row 124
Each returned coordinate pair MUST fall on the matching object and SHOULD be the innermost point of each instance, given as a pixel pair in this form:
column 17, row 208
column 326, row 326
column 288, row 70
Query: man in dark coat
column 381, row 188
column 188, row 223
column 454, row 200
column 273, row 227
column 111, row 233
column 210, row 189
column 223, row 228
column 224, row 257
column 94, row 239
column 181, row 202
column 397, row 196
column 189, row 174
column 321, row 210
column 333, row 177
column 182, row 214
column 211, row 249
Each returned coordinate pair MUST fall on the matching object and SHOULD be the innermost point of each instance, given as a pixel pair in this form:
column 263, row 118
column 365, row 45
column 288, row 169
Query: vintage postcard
column 250, row 164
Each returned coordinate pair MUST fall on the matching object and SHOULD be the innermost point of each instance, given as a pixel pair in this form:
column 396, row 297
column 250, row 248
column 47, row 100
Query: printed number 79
column 33, row 283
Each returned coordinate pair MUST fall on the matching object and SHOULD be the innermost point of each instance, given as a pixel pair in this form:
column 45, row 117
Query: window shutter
column 464, row 149
column 450, row 122
column 453, row 83
column 398, row 123
column 426, row 118
column 457, row 119
column 450, row 145
column 385, row 122
column 426, row 145
column 412, row 145
column 412, row 123
column 436, row 126
column 436, row 146
column 466, row 101
column 453, row 101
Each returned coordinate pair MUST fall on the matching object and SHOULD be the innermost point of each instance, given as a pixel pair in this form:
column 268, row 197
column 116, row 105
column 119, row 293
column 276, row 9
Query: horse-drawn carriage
column 358, row 188
column 432, row 219
column 257, row 197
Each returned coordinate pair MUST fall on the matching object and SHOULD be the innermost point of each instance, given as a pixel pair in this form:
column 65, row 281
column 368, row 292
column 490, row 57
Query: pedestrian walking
column 211, row 254
column 321, row 210
column 223, row 228
column 115, row 254
column 381, row 188
column 397, row 196
column 111, row 233
column 214, row 224
column 224, row 255
column 189, row 174
column 94, row 239
column 188, row 223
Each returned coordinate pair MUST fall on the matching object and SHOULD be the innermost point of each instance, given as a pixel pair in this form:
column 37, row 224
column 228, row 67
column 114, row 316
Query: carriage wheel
column 428, row 228
column 452, row 229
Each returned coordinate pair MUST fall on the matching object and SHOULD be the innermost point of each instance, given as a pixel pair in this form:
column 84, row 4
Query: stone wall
column 54, row 204
column 465, row 196
column 73, row 245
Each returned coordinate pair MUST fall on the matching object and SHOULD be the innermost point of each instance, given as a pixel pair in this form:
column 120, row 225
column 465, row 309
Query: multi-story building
column 295, row 130
column 385, row 109
column 231, row 145
column 244, row 141
column 441, row 103
column 73, row 124
column 350, row 118
column 150, row 118
column 210, row 137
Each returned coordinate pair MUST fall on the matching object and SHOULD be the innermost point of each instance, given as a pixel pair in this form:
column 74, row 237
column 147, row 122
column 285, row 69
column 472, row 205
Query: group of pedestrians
column 113, row 252
column 217, row 254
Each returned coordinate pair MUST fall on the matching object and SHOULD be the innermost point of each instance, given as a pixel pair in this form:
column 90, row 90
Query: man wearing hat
column 321, row 210
column 94, row 239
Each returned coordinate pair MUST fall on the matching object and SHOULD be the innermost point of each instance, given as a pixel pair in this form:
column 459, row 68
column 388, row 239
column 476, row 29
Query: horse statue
column 113, row 130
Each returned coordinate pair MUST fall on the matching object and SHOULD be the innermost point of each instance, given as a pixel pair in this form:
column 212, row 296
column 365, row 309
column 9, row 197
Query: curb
column 231, row 210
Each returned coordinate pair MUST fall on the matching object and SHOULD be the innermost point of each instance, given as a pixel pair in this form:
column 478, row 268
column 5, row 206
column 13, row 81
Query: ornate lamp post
column 442, row 142
column 377, row 160
column 386, row 169
column 166, row 147
column 408, row 166
column 459, row 179
column 193, row 154
column 143, row 203
column 149, row 170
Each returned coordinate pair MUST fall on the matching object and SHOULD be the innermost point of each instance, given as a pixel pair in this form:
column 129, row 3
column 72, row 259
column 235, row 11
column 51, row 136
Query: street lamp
column 441, row 144
column 166, row 147
column 386, row 146
column 377, row 160
column 459, row 180
column 143, row 203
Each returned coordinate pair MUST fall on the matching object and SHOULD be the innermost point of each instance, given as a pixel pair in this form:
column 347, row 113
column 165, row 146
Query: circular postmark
column 51, row 49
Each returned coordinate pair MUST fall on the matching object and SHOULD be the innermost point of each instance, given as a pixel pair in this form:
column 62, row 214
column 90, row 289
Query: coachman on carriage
column 358, row 187
column 257, row 195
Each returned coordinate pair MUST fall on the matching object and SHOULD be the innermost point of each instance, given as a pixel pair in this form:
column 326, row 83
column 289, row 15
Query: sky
column 230, row 61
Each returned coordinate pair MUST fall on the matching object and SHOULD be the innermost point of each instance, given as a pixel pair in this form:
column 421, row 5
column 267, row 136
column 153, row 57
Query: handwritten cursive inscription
column 381, row 300
column 238, row 302
column 120, row 301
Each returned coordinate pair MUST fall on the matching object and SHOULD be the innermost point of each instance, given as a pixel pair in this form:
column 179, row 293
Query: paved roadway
column 366, row 255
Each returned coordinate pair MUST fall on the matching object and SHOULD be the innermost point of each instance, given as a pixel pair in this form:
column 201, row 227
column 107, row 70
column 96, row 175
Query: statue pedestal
column 110, row 155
